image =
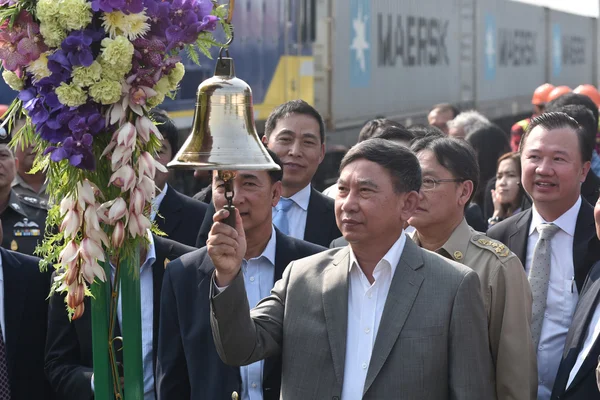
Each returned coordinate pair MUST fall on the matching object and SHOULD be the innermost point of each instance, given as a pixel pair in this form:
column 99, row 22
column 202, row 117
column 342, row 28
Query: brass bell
column 223, row 133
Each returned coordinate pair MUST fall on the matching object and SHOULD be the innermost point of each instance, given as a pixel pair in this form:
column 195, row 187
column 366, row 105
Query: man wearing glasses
column 450, row 177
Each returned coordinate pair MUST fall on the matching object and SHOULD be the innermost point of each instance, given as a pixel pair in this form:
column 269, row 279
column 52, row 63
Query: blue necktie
column 281, row 217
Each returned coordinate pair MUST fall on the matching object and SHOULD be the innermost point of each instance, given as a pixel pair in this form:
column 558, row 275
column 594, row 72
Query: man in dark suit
column 69, row 344
column 188, row 366
column 576, row 378
column 179, row 216
column 23, row 319
column 555, row 159
column 296, row 133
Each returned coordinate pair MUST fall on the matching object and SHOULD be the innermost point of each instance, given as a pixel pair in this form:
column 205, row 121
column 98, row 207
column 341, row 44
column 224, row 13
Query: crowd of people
column 449, row 261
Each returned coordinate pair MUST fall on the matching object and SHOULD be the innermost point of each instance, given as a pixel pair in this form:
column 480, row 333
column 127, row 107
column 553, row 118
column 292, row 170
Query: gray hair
column 470, row 121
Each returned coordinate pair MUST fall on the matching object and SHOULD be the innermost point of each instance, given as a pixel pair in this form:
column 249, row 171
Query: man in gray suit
column 378, row 319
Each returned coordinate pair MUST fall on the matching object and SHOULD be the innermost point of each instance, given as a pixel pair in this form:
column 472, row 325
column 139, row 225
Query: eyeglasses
column 432, row 184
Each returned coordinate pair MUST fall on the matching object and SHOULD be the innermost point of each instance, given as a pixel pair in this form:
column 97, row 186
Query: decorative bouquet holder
column 88, row 72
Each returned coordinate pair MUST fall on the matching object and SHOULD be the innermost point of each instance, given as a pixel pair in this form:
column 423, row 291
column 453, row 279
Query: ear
column 466, row 190
column 584, row 170
column 264, row 139
column 409, row 205
column 275, row 193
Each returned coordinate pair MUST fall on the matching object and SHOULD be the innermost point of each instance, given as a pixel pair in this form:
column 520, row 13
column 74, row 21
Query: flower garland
column 88, row 72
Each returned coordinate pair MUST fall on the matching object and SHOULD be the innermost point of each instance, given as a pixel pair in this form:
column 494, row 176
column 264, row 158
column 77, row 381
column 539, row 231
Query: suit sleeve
column 510, row 333
column 172, row 379
column 471, row 371
column 69, row 379
column 243, row 337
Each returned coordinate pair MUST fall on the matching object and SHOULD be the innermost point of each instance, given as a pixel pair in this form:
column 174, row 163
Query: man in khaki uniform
column 450, row 175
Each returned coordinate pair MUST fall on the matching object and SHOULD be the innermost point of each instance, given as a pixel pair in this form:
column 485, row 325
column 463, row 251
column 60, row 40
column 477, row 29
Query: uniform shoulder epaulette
column 496, row 247
column 34, row 202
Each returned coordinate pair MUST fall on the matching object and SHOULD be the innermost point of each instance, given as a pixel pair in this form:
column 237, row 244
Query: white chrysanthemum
column 132, row 26
column 39, row 68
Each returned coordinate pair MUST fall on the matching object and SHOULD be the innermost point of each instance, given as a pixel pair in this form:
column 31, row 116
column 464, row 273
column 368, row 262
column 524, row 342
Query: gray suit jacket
column 432, row 341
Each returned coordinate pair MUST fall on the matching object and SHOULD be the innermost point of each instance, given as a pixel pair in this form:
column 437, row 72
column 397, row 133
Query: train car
column 272, row 52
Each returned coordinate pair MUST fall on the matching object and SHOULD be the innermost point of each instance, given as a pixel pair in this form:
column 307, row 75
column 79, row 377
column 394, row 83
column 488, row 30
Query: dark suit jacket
column 69, row 345
column 584, row 386
column 180, row 217
column 25, row 321
column 188, row 365
column 514, row 232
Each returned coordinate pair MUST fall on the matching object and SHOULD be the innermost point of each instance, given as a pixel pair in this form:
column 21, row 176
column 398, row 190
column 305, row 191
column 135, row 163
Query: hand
column 226, row 247
column 499, row 208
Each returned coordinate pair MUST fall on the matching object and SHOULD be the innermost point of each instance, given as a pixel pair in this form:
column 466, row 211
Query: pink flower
column 123, row 178
column 137, row 201
column 121, row 155
column 85, row 193
column 102, row 212
column 76, row 295
column 145, row 127
column 147, row 186
column 78, row 311
column 71, row 275
column 67, row 204
column 138, row 224
column 92, row 226
column 117, row 210
column 118, row 235
column 91, row 270
column 68, row 255
column 71, row 223
column 126, row 135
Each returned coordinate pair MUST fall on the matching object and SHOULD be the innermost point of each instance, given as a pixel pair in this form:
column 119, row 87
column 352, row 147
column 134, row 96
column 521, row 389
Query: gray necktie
column 539, row 276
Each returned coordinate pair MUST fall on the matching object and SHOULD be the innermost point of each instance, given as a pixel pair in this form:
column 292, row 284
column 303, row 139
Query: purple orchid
column 20, row 44
column 77, row 149
column 126, row 6
column 77, row 47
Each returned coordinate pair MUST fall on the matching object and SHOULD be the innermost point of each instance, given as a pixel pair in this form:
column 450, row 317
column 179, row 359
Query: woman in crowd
column 508, row 192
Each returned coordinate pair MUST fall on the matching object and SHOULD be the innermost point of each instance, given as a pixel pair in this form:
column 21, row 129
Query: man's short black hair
column 399, row 161
column 374, row 126
column 560, row 120
column 420, row 131
column 275, row 176
column 167, row 128
column 395, row 133
column 573, row 99
column 294, row 107
column 456, row 155
column 445, row 107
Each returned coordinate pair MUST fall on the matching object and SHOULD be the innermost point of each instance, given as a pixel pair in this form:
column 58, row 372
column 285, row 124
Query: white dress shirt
column 590, row 339
column 259, row 275
column 297, row 213
column 156, row 202
column 2, row 322
column 147, row 301
column 562, row 295
column 366, row 302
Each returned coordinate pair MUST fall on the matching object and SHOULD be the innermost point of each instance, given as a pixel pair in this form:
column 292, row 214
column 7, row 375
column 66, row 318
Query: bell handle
column 230, row 220
column 230, row 12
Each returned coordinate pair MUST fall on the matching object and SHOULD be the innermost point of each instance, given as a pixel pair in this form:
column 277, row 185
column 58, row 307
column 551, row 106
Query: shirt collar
column 457, row 243
column 19, row 181
column 159, row 198
column 392, row 257
column 302, row 197
column 565, row 222
column 269, row 251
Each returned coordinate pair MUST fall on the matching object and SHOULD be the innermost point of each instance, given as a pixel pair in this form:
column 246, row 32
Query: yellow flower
column 155, row 101
column 163, row 86
column 39, row 67
column 71, row 95
column 132, row 26
column 86, row 76
column 106, row 91
column 52, row 33
column 47, row 10
column 74, row 14
column 117, row 52
column 12, row 80
column 113, row 72
column 176, row 75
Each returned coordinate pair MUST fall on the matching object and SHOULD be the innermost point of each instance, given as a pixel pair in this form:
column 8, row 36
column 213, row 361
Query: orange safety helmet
column 558, row 91
column 3, row 109
column 589, row 91
column 540, row 95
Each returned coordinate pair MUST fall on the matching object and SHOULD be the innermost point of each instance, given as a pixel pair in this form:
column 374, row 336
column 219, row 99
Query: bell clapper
column 227, row 177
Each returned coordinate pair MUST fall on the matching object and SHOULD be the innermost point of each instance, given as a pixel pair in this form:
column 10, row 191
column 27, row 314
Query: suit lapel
column 15, row 287
column 584, row 232
column 517, row 239
column 313, row 232
column 335, row 307
column 170, row 216
column 284, row 254
column 401, row 297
